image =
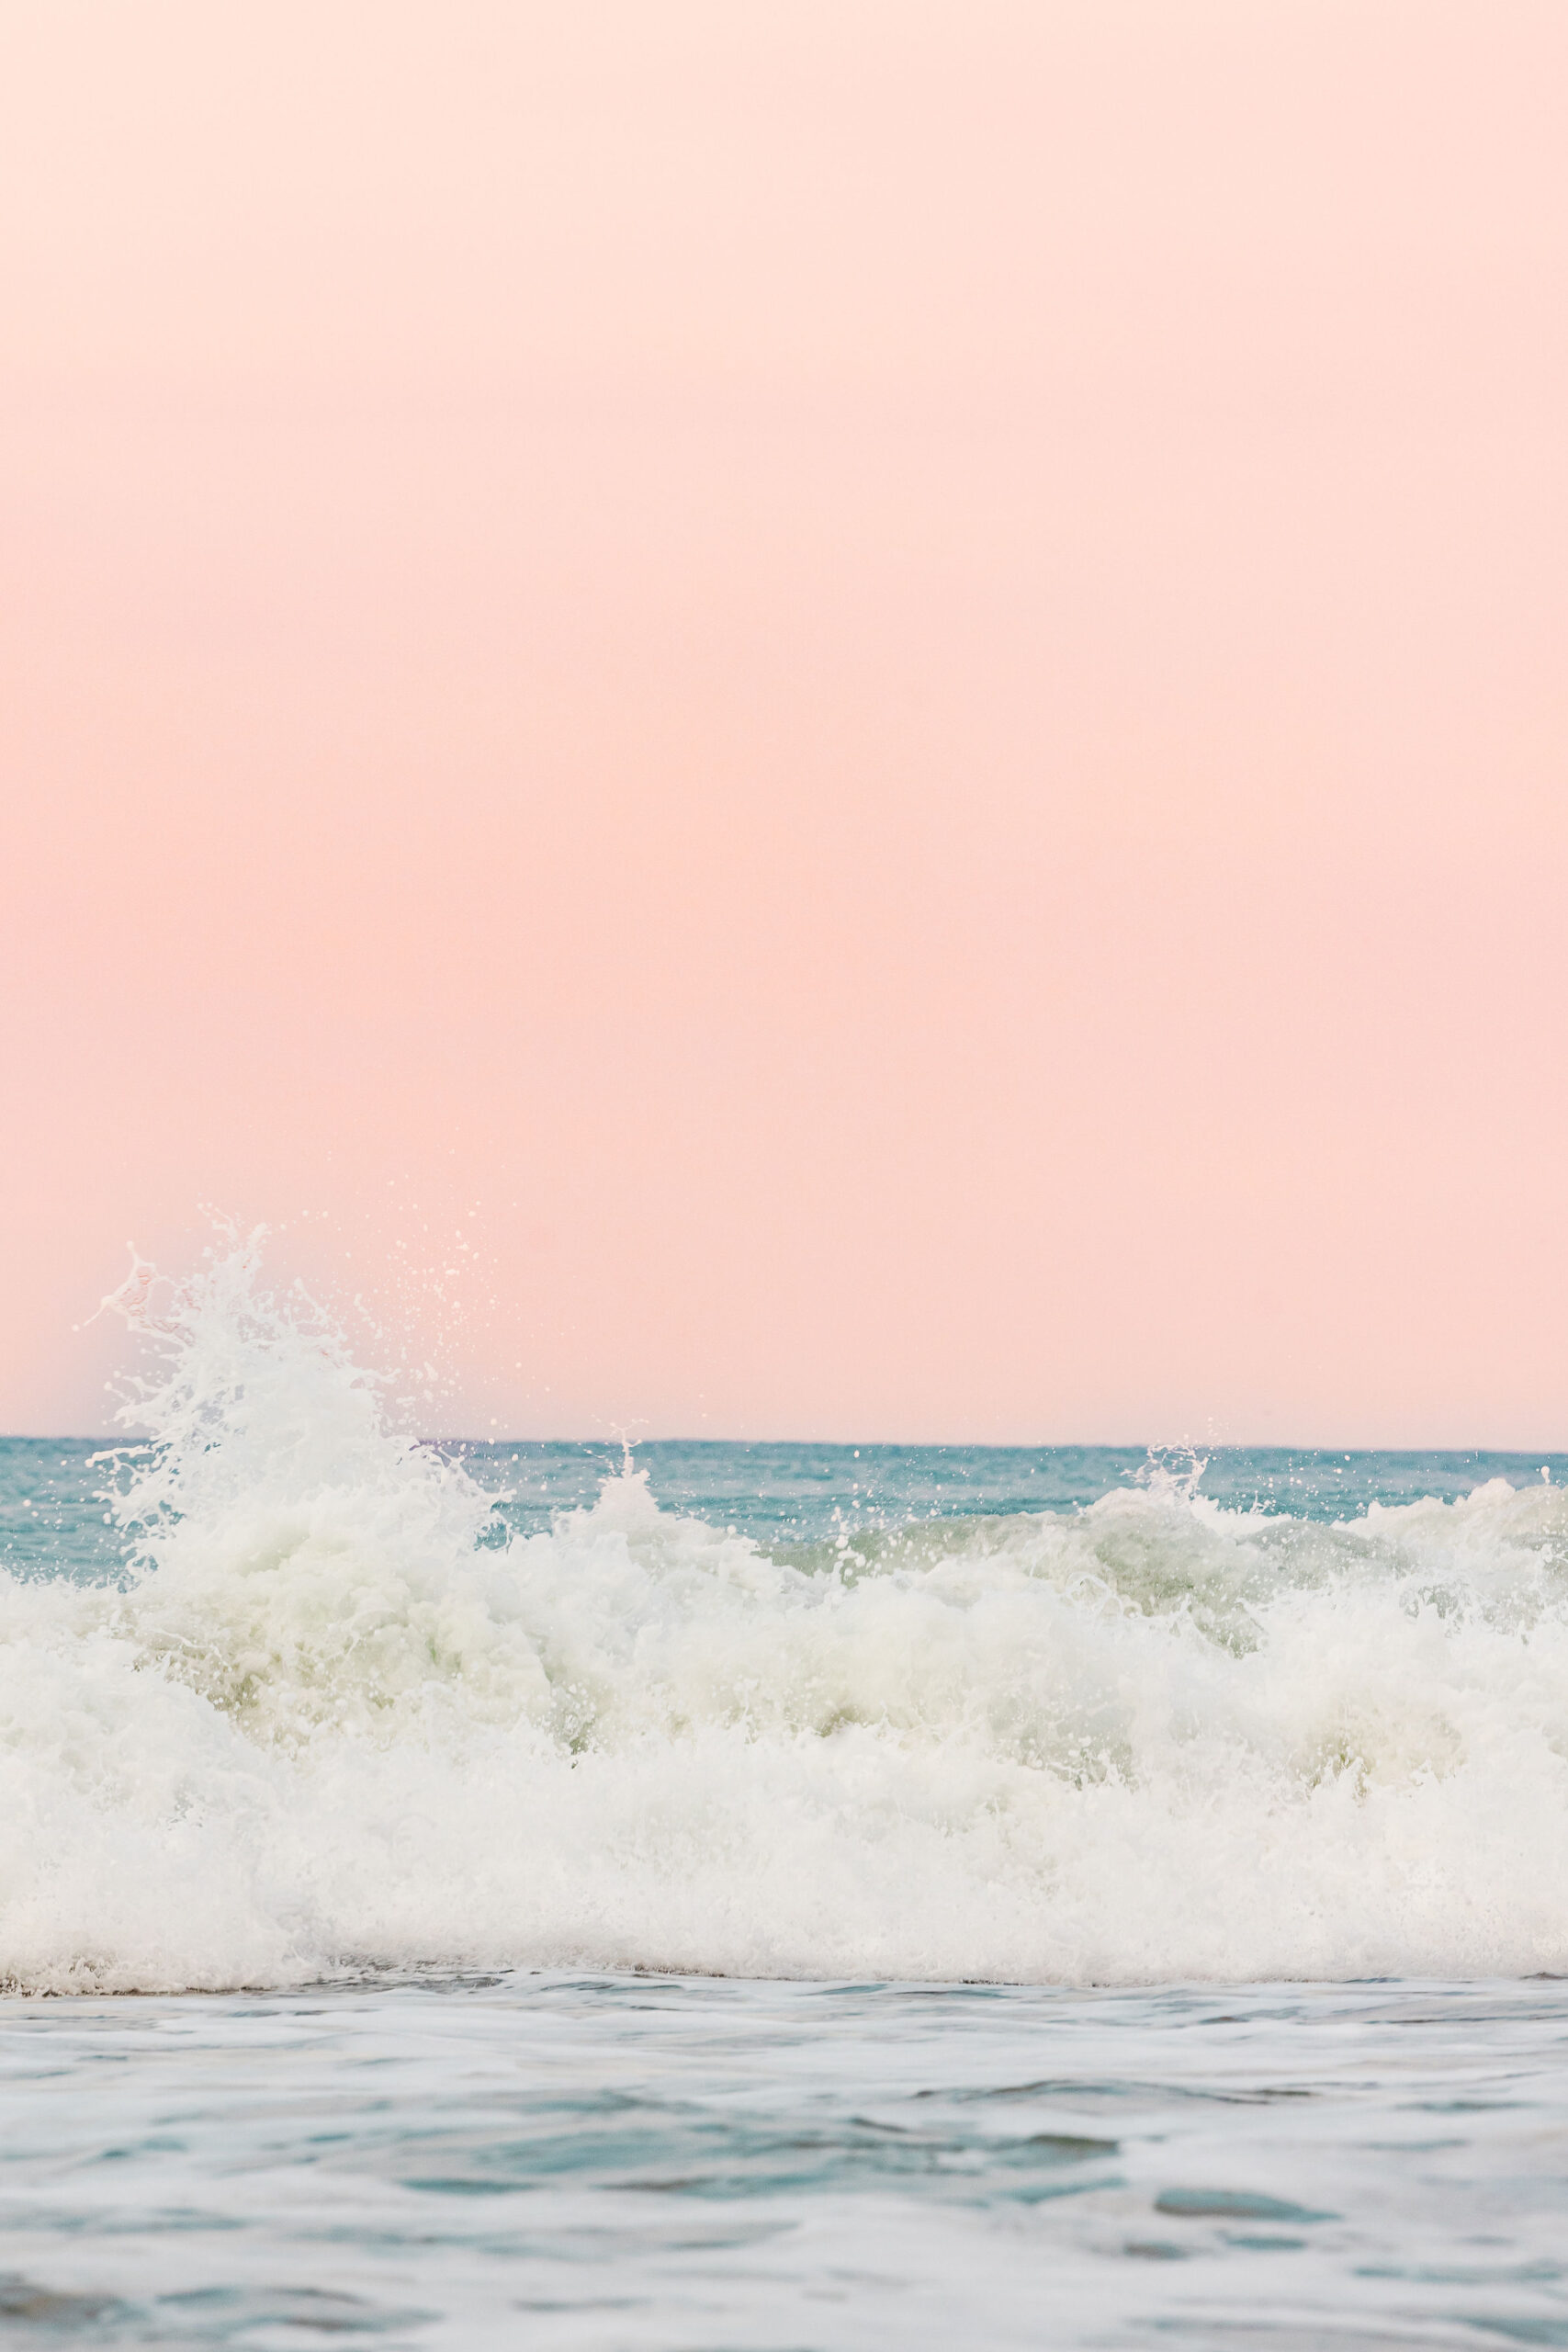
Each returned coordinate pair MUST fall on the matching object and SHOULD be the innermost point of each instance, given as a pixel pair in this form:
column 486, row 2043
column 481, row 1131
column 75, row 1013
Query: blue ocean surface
column 790, row 1897
column 53, row 1521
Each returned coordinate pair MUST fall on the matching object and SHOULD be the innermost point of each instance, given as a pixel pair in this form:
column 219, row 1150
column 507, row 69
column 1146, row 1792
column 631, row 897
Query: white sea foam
column 323, row 1727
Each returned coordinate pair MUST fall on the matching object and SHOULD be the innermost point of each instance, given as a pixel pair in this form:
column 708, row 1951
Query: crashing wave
column 327, row 1723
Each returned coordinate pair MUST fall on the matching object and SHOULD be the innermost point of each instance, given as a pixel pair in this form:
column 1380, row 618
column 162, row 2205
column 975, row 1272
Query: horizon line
column 1207, row 1447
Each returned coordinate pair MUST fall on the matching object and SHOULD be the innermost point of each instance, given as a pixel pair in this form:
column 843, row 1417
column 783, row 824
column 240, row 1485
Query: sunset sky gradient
column 880, row 689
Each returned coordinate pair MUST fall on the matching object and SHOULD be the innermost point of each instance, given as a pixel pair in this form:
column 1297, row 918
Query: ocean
column 785, row 1897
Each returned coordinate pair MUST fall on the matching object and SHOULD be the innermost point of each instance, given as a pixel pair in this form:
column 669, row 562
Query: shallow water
column 611, row 2161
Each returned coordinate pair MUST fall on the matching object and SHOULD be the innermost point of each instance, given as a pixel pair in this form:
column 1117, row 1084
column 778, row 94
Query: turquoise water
column 793, row 1897
column 52, row 1520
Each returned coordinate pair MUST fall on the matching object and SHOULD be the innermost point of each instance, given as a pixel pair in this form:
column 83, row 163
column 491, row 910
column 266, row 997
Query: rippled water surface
column 693, row 2165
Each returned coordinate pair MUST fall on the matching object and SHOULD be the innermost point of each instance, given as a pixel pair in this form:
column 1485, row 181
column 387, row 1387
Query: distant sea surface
column 52, row 1519
column 769, row 1895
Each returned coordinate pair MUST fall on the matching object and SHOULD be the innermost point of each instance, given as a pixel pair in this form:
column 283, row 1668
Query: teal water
column 648, row 2164
column 52, row 1520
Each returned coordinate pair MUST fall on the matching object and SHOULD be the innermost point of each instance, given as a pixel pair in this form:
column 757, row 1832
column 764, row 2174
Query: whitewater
column 330, row 1703
column 765, row 1898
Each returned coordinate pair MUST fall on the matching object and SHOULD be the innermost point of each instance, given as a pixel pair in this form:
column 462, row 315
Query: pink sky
column 883, row 687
